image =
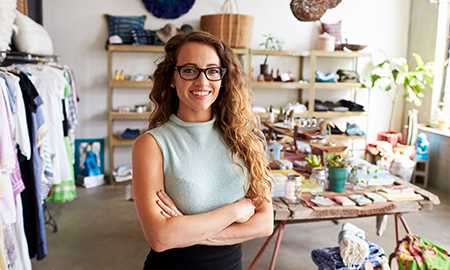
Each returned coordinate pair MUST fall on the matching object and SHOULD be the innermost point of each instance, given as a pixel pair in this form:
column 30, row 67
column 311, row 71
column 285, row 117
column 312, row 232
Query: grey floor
column 99, row 230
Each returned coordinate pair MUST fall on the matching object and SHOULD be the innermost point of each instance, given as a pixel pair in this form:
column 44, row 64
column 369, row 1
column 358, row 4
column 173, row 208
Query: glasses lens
column 189, row 72
column 214, row 74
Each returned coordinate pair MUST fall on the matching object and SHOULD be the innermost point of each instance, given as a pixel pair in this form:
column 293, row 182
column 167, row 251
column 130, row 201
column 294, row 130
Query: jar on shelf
column 320, row 175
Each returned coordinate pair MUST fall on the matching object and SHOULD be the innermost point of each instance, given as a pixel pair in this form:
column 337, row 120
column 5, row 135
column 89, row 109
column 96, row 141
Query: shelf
column 345, row 137
column 338, row 54
column 136, row 48
column 240, row 50
column 279, row 53
column 116, row 141
column 279, row 85
column 156, row 49
column 129, row 115
column 339, row 85
column 131, row 84
column 337, row 114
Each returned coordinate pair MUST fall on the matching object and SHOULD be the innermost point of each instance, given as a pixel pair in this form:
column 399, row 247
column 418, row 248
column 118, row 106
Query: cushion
column 333, row 29
column 145, row 37
column 7, row 16
column 122, row 26
column 31, row 37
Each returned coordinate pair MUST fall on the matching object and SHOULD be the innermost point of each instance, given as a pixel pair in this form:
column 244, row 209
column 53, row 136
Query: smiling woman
column 200, row 176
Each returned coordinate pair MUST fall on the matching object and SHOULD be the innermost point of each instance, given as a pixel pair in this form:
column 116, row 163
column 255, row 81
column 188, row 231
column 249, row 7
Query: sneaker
column 354, row 130
column 130, row 134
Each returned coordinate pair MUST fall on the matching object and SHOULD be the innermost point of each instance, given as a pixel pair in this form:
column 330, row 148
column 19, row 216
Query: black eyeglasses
column 191, row 73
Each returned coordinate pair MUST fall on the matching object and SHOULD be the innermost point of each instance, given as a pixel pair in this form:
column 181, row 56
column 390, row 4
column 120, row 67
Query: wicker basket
column 233, row 29
column 22, row 6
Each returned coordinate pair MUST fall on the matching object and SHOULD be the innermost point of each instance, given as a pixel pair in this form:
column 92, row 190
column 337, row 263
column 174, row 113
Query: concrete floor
column 99, row 230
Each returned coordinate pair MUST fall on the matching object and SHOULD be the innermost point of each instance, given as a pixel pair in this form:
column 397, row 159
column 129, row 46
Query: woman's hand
column 245, row 209
column 167, row 206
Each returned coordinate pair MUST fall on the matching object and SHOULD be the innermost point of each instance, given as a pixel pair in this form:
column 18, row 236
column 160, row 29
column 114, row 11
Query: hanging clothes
column 33, row 212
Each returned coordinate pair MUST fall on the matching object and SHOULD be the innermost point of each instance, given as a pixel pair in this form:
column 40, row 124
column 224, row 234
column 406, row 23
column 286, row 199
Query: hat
column 167, row 32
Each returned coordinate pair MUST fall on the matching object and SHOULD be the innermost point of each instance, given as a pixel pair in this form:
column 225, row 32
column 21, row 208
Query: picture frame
column 82, row 146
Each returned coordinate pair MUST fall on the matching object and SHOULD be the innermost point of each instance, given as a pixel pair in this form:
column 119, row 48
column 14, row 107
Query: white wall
column 79, row 32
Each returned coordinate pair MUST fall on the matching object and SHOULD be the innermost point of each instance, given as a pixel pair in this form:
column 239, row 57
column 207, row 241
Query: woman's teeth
column 201, row 93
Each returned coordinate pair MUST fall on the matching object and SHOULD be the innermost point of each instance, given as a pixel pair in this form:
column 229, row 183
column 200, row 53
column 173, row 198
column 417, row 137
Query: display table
column 286, row 213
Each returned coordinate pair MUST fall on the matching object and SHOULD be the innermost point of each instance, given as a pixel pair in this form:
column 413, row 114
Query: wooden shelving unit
column 146, row 85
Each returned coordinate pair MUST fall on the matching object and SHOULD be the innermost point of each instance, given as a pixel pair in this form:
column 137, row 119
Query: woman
column 200, row 179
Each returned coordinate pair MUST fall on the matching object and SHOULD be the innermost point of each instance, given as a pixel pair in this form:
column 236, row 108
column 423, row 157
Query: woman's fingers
column 164, row 214
column 165, row 208
column 168, row 201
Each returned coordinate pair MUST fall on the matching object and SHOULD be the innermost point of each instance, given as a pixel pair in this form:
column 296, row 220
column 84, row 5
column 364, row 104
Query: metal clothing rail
column 13, row 57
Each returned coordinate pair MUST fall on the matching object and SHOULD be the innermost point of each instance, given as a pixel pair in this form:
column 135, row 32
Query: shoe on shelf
column 333, row 129
column 354, row 130
column 130, row 134
column 352, row 106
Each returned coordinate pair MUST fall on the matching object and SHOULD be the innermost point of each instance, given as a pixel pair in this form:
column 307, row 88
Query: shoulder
column 145, row 143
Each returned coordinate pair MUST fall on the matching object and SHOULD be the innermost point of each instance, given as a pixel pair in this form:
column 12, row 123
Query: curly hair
column 232, row 109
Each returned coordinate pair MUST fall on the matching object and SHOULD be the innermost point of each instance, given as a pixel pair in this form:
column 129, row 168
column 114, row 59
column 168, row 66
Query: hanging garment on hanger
column 21, row 134
column 3, row 265
column 7, row 162
column 33, row 212
column 22, row 261
column 50, row 83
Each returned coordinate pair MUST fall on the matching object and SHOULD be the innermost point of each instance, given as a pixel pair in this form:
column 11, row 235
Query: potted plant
column 392, row 74
column 269, row 43
column 337, row 172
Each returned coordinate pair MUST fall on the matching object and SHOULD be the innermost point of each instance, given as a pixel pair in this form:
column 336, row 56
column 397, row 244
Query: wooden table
column 286, row 213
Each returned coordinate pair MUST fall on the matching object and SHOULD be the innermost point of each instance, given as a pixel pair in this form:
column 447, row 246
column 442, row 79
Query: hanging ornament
column 168, row 9
column 311, row 10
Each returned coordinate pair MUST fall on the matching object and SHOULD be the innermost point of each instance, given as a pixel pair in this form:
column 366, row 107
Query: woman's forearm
column 186, row 230
column 260, row 225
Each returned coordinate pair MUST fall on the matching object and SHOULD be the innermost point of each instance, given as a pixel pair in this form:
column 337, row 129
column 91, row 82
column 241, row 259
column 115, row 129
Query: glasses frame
column 223, row 71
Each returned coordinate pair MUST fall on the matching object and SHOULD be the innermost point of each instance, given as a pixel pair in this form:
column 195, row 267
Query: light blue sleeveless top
column 199, row 171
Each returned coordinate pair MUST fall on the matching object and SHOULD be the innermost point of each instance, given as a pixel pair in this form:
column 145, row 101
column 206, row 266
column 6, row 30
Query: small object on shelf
column 422, row 146
column 326, row 77
column 123, row 173
column 130, row 134
column 124, row 109
column 326, row 42
column 353, row 130
column 346, row 75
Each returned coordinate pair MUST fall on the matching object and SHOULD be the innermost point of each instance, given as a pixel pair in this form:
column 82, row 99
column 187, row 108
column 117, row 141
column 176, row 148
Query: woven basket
column 233, row 29
column 22, row 6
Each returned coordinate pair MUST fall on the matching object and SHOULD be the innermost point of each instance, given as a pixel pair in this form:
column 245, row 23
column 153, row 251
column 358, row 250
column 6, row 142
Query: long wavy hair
column 232, row 108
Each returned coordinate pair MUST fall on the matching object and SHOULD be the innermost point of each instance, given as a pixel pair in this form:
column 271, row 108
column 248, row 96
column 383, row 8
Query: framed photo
column 89, row 157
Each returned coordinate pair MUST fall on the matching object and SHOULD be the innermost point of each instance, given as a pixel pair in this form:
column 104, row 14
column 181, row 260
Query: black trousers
column 198, row 257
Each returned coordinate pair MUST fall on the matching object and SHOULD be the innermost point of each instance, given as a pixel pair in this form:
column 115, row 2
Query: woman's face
column 197, row 95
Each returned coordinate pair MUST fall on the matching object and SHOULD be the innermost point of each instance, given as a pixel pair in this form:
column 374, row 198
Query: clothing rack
column 12, row 57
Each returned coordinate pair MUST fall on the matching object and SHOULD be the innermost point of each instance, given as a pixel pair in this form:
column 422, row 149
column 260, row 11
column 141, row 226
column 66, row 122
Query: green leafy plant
column 391, row 73
column 313, row 161
column 270, row 43
column 336, row 161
